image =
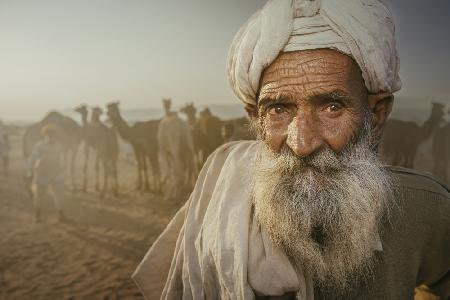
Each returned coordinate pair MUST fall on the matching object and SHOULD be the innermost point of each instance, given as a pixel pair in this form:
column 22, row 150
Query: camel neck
column 95, row 119
column 84, row 119
column 192, row 119
column 122, row 127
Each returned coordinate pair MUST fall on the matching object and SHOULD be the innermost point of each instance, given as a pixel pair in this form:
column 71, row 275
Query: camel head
column 96, row 113
column 437, row 110
column 167, row 104
column 189, row 110
column 206, row 113
column 112, row 110
column 82, row 109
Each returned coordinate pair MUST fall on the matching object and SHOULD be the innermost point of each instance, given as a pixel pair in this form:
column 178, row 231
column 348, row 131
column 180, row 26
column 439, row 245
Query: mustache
column 359, row 150
column 323, row 160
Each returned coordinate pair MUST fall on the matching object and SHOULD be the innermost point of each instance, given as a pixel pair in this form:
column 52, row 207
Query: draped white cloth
column 362, row 29
column 216, row 248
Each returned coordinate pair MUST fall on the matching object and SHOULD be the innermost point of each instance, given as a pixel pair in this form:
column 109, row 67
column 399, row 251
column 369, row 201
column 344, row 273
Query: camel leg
column 156, row 173
column 105, row 177
column 115, row 177
column 139, row 173
column 144, row 167
column 97, row 172
column 168, row 177
column 72, row 167
column 85, row 167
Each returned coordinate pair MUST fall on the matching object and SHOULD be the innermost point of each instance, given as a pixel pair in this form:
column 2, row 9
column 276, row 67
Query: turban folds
column 362, row 29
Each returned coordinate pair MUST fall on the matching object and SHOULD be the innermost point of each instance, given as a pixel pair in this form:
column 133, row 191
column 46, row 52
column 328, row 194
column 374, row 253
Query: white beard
column 324, row 210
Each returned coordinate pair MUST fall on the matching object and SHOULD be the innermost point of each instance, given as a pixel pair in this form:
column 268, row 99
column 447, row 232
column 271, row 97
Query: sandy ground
column 93, row 255
column 89, row 257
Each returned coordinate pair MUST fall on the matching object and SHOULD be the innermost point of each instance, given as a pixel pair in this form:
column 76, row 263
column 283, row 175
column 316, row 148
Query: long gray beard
column 325, row 210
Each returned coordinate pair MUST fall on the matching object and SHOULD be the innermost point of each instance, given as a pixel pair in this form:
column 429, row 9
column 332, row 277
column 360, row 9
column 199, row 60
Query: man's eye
column 333, row 108
column 276, row 110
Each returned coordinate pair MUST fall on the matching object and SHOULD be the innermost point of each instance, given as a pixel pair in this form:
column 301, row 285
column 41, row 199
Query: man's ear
column 381, row 106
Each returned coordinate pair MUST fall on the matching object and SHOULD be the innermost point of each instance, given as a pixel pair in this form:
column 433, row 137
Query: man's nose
column 303, row 136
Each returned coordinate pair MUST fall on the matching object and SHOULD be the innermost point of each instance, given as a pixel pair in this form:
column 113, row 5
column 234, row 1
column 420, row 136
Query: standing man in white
column 46, row 169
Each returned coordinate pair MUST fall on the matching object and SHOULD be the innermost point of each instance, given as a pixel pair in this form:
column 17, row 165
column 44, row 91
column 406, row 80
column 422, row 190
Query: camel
column 176, row 151
column 103, row 140
column 211, row 127
column 441, row 151
column 88, row 139
column 196, row 133
column 142, row 137
column 401, row 139
column 107, row 147
column 70, row 138
column 206, row 131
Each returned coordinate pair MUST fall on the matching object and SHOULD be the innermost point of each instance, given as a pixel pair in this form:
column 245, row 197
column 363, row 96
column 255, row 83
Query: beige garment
column 217, row 250
column 45, row 163
column 362, row 29
column 56, row 189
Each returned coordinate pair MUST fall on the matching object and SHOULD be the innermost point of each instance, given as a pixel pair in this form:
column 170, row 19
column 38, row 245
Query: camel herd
column 168, row 152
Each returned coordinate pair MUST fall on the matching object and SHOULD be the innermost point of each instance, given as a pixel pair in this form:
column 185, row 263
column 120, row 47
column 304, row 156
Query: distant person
column 45, row 168
column 5, row 148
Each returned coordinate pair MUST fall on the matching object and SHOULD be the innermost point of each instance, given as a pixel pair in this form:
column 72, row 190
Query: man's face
column 319, row 188
column 310, row 100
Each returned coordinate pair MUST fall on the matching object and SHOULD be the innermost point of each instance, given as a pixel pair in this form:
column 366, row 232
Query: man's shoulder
column 235, row 153
column 420, row 181
column 234, row 147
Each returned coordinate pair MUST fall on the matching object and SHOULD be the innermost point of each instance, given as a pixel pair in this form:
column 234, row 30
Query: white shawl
column 214, row 247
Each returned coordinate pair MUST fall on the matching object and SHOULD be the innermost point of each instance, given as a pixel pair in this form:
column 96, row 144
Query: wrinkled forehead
column 310, row 72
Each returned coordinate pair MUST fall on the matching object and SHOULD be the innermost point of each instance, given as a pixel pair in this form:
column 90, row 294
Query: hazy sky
column 58, row 53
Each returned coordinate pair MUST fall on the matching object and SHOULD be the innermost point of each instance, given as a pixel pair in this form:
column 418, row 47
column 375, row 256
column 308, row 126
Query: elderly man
column 308, row 211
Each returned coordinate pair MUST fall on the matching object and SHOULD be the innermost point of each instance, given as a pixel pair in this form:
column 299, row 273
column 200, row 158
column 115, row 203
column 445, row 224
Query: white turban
column 362, row 29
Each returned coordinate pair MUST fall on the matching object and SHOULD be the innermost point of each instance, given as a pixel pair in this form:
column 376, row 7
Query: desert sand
column 92, row 255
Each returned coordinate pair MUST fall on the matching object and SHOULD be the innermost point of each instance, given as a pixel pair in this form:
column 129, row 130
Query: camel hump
column 420, row 180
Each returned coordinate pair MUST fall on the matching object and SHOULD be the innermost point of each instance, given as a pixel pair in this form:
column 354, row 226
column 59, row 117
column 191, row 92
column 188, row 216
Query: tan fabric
column 362, row 29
